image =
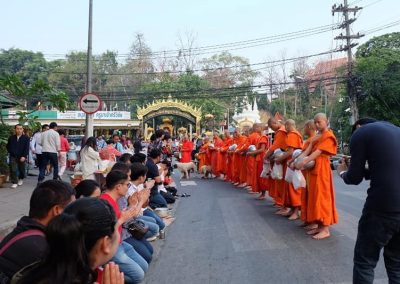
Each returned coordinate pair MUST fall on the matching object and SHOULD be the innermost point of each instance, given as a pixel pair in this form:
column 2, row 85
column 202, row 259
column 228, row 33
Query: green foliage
column 377, row 78
column 27, row 65
column 5, row 132
column 384, row 46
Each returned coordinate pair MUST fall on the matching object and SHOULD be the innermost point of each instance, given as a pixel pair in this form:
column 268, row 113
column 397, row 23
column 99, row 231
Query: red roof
column 327, row 70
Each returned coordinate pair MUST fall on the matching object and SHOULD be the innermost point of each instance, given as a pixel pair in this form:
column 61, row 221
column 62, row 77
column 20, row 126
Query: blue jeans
column 377, row 231
column 157, row 200
column 152, row 224
column 143, row 247
column 151, row 213
column 130, row 263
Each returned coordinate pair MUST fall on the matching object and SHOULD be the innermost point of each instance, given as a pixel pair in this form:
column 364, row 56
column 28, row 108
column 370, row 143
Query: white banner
column 110, row 115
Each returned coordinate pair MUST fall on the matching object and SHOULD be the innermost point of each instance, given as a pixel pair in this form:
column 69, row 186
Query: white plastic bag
column 289, row 175
column 266, row 169
column 298, row 180
column 277, row 171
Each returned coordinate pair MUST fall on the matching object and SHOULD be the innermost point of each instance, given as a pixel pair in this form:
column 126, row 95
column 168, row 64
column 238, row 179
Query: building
column 105, row 122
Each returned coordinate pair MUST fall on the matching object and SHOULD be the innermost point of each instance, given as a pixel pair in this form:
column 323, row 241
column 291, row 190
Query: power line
column 228, row 46
column 213, row 90
column 287, row 60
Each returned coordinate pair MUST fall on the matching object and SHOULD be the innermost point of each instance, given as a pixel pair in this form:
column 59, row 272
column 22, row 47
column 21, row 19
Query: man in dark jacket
column 18, row 149
column 27, row 244
column 375, row 155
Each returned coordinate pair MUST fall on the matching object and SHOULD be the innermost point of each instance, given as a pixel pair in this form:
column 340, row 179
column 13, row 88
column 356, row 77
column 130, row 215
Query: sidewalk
column 14, row 202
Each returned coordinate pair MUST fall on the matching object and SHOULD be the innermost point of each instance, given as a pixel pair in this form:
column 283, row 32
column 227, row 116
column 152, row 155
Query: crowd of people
column 101, row 232
column 261, row 164
column 93, row 233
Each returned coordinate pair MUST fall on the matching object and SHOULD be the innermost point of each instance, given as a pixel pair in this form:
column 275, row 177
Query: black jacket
column 378, row 144
column 18, row 148
column 24, row 251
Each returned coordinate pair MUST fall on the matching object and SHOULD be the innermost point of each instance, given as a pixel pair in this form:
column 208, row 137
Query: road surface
column 223, row 235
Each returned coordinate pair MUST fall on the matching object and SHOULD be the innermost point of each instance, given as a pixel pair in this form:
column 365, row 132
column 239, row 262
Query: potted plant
column 5, row 132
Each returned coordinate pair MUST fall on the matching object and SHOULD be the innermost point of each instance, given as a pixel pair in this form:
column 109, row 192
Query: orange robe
column 186, row 150
column 277, row 186
column 214, row 155
column 260, row 184
column 222, row 157
column 251, row 160
column 292, row 197
column 204, row 156
column 243, row 161
column 240, row 140
column 304, row 191
column 321, row 195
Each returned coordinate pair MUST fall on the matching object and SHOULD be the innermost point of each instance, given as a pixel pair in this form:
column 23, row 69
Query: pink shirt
column 64, row 144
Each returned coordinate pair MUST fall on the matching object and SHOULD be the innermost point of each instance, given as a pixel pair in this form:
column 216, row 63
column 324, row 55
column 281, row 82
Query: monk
column 262, row 144
column 214, row 152
column 186, row 150
column 309, row 132
column 242, row 160
column 204, row 154
column 251, row 159
column 239, row 140
column 277, row 186
column 321, row 195
column 223, row 156
column 291, row 197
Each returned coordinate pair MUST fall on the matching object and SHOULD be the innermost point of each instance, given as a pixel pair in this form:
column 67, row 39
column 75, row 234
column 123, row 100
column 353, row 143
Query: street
column 222, row 235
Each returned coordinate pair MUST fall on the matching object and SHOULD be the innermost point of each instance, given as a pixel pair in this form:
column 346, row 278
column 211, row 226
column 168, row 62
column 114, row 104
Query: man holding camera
column 376, row 144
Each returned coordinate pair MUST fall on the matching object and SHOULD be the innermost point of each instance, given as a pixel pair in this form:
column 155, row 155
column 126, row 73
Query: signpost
column 90, row 103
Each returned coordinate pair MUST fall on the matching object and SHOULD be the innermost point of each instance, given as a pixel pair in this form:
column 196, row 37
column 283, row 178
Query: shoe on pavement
column 20, row 182
column 153, row 238
column 14, row 185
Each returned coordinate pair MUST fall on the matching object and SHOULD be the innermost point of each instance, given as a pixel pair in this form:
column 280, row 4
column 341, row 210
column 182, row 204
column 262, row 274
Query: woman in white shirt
column 90, row 159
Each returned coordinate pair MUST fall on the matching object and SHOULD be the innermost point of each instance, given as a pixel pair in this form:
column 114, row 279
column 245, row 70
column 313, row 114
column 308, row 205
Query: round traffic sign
column 90, row 103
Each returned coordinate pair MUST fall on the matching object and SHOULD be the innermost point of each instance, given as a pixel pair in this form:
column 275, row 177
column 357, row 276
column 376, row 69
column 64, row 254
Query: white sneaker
column 14, row 185
column 20, row 182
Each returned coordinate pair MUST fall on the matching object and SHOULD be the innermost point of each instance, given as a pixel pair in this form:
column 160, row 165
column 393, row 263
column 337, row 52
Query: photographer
column 376, row 143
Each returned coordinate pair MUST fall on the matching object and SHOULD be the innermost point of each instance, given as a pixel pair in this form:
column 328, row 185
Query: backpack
column 28, row 233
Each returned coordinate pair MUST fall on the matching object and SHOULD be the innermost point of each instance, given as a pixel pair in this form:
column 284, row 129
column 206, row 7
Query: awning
column 6, row 102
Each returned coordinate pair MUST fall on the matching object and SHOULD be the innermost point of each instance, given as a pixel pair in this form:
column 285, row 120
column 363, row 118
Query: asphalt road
column 223, row 235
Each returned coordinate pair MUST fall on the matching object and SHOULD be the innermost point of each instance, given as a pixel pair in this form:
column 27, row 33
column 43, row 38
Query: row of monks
column 242, row 166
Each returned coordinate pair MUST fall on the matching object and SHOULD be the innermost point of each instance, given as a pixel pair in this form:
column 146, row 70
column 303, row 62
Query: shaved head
column 321, row 116
column 290, row 122
column 321, row 122
column 310, row 124
column 290, row 125
column 257, row 127
column 274, row 124
column 309, row 128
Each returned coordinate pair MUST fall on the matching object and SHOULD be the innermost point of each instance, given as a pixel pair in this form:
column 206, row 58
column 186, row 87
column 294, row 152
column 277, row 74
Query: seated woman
column 87, row 188
column 81, row 239
column 142, row 246
column 109, row 152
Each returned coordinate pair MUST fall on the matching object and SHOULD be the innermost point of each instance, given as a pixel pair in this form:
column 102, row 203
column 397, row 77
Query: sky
column 56, row 27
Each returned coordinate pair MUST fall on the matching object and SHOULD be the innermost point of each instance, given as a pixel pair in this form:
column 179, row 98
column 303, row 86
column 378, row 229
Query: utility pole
column 345, row 9
column 89, row 117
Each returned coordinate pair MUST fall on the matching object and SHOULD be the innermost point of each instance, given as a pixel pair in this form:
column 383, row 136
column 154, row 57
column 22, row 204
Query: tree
column 221, row 73
column 20, row 91
column 27, row 65
column 377, row 78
